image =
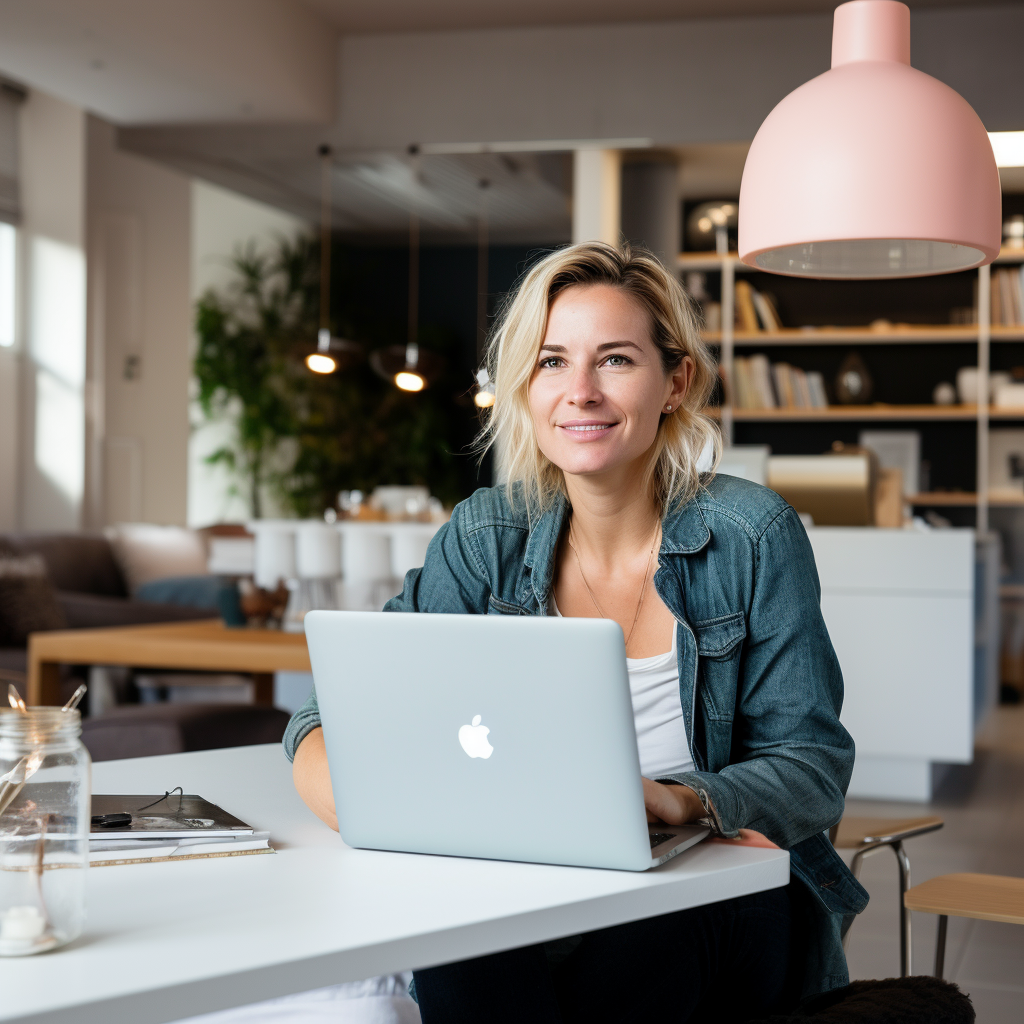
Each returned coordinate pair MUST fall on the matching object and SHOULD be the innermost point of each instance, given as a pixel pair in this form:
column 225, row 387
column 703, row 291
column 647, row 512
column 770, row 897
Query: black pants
column 724, row 962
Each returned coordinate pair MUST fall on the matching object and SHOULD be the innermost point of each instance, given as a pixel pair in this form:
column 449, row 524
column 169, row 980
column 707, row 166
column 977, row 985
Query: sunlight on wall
column 57, row 343
column 8, row 283
column 60, row 434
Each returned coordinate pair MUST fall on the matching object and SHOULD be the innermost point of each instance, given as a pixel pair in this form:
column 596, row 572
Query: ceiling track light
column 331, row 353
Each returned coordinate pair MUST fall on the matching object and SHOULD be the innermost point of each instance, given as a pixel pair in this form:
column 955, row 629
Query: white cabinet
column 900, row 609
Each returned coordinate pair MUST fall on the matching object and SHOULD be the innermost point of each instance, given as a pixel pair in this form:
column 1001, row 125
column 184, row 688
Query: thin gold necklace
column 643, row 587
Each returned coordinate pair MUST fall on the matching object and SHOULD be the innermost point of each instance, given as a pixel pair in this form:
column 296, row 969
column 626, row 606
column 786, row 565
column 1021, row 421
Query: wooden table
column 206, row 646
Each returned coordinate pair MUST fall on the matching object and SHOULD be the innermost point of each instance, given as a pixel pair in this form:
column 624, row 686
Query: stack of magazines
column 128, row 829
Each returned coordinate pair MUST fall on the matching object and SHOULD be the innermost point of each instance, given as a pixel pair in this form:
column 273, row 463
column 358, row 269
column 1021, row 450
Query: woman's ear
column 682, row 378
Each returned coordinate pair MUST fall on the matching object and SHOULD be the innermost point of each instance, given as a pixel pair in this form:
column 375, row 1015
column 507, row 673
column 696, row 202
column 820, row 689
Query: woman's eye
column 618, row 360
column 550, row 362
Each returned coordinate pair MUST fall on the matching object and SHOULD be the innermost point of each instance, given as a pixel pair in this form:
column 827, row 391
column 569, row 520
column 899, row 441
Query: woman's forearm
column 312, row 778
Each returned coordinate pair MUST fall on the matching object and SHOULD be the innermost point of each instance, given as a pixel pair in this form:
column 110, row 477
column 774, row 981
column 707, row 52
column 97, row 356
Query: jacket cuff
column 302, row 723
column 719, row 799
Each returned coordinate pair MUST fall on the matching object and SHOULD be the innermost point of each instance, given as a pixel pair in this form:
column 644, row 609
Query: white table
column 171, row 940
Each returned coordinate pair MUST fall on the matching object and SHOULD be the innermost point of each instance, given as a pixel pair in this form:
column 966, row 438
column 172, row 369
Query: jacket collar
column 541, row 548
column 683, row 532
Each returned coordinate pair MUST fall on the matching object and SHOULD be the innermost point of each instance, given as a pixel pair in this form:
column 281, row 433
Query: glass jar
column 44, row 829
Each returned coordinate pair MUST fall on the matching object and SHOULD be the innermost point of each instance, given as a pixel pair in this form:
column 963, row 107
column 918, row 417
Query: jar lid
column 39, row 725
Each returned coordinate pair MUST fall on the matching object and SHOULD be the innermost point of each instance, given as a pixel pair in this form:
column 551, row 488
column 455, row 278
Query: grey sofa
column 92, row 593
column 90, row 587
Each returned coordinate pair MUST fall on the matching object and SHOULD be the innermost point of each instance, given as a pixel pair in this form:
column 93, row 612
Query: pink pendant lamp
column 872, row 169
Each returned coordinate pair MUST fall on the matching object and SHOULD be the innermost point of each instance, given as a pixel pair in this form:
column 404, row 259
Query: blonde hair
column 683, row 434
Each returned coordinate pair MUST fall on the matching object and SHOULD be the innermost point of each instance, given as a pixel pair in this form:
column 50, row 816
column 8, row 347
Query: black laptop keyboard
column 657, row 838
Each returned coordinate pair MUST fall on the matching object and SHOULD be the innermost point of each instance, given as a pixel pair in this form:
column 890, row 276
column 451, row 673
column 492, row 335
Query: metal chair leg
column 940, row 946
column 906, row 950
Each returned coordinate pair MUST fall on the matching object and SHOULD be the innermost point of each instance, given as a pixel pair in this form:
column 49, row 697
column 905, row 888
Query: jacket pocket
column 719, row 647
column 495, row 606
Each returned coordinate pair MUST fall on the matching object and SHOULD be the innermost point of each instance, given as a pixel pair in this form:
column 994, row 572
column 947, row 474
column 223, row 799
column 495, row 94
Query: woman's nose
column 583, row 389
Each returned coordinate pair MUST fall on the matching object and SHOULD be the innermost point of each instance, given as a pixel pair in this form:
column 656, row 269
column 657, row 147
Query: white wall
column 673, row 82
column 191, row 60
column 221, row 222
column 52, row 413
column 140, row 319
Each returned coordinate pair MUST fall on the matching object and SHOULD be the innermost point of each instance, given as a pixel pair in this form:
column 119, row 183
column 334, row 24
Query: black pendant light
column 331, row 353
column 407, row 366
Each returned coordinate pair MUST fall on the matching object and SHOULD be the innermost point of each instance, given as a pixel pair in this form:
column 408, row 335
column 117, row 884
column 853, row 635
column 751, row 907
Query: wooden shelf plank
column 870, row 412
column 911, row 334
column 964, row 499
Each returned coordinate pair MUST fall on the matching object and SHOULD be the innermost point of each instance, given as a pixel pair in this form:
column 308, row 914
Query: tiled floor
column 983, row 806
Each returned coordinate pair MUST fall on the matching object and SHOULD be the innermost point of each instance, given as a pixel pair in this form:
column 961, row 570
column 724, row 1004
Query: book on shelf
column 755, row 311
column 766, row 311
column 1006, row 297
column 763, row 385
column 746, row 315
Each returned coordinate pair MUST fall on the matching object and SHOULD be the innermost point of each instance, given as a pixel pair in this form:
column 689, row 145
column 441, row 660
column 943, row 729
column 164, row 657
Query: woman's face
column 598, row 390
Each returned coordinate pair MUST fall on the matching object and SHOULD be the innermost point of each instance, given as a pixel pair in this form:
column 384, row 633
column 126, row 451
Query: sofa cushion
column 81, row 562
column 146, row 552
column 28, row 602
column 87, row 611
column 192, row 591
column 142, row 730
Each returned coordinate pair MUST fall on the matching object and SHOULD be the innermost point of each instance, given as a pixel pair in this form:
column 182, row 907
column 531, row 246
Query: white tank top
column 657, row 713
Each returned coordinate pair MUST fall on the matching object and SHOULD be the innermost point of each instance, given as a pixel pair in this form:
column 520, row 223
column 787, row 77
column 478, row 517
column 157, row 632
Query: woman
column 601, row 380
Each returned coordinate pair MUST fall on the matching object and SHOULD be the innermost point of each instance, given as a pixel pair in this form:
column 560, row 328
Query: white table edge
column 158, row 1006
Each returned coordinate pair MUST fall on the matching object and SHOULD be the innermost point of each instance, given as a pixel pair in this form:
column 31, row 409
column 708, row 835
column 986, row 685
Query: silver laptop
column 485, row 736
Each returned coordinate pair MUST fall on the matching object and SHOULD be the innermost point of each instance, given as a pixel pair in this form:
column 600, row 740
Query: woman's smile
column 587, row 430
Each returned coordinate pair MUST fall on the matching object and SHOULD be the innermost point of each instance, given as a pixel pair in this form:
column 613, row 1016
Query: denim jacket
column 759, row 682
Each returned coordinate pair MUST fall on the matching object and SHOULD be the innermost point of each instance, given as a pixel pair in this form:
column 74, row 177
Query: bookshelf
column 959, row 339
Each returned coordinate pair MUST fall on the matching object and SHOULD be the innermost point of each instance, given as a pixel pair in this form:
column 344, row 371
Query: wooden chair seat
column 985, row 897
column 854, row 833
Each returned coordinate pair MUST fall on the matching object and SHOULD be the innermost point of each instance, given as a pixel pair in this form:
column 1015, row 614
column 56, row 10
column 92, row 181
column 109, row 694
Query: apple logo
column 474, row 739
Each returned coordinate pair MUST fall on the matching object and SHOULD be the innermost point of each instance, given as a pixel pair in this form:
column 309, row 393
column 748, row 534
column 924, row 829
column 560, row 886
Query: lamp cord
column 325, row 237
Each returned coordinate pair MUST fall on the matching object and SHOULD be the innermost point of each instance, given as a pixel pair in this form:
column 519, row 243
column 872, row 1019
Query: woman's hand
column 312, row 778
column 673, row 805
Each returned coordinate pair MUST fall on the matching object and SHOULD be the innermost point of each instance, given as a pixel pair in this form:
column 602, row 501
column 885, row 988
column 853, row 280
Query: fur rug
column 916, row 1000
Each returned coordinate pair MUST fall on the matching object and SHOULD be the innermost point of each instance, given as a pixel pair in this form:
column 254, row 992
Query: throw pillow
column 190, row 591
column 28, row 602
column 146, row 552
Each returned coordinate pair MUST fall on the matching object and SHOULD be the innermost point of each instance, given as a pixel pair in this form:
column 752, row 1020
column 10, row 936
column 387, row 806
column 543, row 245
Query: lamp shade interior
column 869, row 258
